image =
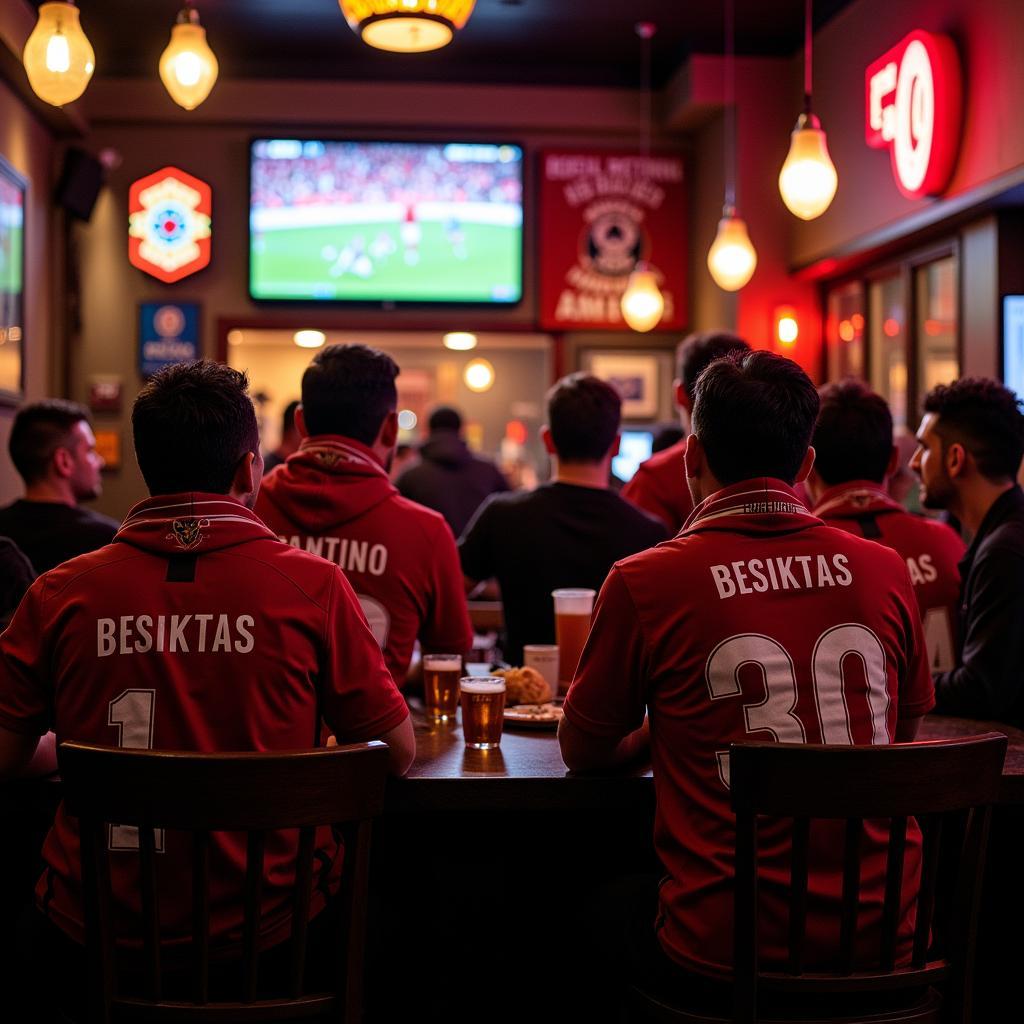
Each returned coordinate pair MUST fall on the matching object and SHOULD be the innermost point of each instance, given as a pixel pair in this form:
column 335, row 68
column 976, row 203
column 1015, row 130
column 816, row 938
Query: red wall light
column 787, row 326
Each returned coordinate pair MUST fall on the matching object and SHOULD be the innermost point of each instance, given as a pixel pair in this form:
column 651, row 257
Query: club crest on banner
column 169, row 230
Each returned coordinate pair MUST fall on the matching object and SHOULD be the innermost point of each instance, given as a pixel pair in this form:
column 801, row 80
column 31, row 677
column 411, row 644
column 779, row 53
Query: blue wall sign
column 168, row 333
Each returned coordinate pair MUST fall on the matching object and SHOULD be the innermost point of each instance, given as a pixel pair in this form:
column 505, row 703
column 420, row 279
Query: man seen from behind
column 333, row 498
column 756, row 622
column 196, row 629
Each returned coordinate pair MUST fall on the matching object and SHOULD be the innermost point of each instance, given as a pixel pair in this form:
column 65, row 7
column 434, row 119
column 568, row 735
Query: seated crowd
column 738, row 573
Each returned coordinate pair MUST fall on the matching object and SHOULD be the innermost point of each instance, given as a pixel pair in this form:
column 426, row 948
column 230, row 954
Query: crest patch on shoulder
column 327, row 458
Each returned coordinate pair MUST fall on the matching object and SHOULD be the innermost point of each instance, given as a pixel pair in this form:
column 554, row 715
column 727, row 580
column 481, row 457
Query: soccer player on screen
column 756, row 622
column 411, row 233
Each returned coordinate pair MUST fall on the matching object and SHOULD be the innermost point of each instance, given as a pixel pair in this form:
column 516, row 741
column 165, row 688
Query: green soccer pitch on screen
column 385, row 221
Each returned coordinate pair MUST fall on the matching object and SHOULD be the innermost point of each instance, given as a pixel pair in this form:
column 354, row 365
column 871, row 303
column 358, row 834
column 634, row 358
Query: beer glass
column 483, row 710
column 441, row 685
column 572, row 625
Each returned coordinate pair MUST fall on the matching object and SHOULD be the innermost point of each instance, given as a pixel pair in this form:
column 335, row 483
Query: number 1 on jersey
column 131, row 714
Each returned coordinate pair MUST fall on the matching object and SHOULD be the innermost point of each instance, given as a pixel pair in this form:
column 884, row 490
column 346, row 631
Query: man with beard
column 970, row 445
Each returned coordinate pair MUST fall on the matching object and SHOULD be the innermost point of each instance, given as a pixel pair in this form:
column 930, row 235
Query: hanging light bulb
column 188, row 67
column 642, row 301
column 58, row 57
column 731, row 258
column 808, row 179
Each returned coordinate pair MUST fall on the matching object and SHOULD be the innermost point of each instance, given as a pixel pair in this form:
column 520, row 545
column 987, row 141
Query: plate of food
column 534, row 716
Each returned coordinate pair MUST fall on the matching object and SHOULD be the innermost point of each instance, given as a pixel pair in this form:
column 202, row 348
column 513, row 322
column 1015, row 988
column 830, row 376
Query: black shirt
column 988, row 681
column 49, row 532
column 559, row 535
column 16, row 576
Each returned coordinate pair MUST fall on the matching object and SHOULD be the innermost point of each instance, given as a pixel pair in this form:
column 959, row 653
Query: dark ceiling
column 547, row 42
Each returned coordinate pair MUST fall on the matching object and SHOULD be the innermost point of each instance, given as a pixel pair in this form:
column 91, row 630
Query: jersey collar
column 759, row 505
column 854, row 498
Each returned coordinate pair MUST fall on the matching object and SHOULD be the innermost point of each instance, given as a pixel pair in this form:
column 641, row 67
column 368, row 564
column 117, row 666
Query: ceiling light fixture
column 642, row 302
column 731, row 258
column 188, row 67
column 58, row 57
column 309, row 339
column 459, row 341
column 808, row 179
column 406, row 26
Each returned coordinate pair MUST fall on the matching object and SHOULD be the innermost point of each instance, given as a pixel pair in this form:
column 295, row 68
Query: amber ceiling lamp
column 406, row 26
column 58, row 58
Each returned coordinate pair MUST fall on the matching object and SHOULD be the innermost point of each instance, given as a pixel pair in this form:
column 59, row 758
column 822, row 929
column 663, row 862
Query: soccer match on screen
column 385, row 221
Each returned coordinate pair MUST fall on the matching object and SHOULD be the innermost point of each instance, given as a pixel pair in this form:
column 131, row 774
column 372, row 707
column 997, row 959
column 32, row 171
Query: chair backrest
column 933, row 782
column 254, row 793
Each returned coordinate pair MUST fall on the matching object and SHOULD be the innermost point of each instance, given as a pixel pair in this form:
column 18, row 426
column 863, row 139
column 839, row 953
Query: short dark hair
column 985, row 417
column 853, row 436
column 38, row 431
column 288, row 419
column 349, row 390
column 583, row 415
column 444, row 417
column 192, row 423
column 753, row 413
column 696, row 352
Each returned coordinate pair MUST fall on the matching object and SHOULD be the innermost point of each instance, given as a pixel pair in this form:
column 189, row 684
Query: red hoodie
column 194, row 630
column 333, row 498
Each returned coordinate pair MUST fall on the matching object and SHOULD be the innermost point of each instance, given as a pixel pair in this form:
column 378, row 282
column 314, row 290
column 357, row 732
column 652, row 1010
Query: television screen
column 634, row 448
column 385, row 221
column 1013, row 343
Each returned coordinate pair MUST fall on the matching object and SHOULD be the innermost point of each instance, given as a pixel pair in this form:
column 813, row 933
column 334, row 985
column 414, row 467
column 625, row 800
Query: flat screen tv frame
column 389, row 304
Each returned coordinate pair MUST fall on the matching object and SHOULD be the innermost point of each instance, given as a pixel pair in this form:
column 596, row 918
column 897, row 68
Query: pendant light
column 58, row 57
column 188, row 67
column 642, row 302
column 808, row 178
column 731, row 258
column 406, row 26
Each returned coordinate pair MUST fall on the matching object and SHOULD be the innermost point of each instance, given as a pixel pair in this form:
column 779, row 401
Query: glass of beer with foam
column 441, row 685
column 483, row 710
column 572, row 626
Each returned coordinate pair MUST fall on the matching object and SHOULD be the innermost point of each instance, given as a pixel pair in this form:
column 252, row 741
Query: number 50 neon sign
column 913, row 103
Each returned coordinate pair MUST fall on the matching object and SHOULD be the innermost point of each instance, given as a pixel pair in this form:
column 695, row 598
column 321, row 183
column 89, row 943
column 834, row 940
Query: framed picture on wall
column 12, row 281
column 635, row 375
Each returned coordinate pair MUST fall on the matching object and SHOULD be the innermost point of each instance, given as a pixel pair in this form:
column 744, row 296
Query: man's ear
column 680, row 395
column 815, row 486
column 805, row 466
column 62, row 462
column 388, row 435
column 957, row 459
column 616, row 444
column 547, row 440
column 247, row 474
column 694, row 458
column 300, row 422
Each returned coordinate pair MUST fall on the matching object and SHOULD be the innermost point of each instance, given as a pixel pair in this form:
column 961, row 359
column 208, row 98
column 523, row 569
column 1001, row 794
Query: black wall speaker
column 80, row 182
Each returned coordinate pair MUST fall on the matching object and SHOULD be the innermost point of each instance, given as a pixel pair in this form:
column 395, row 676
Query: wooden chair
column 951, row 782
column 245, row 792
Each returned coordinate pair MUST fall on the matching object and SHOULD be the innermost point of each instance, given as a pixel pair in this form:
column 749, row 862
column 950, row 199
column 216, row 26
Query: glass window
column 888, row 334
column 845, row 331
column 935, row 294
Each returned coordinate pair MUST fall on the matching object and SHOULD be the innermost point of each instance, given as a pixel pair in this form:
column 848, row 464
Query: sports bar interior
column 497, row 194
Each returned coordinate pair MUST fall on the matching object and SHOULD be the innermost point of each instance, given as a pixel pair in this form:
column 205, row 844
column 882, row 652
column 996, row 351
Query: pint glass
column 441, row 685
column 483, row 710
column 572, row 625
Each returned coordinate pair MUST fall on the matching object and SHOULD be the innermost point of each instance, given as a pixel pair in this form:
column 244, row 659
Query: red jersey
column 196, row 629
column 756, row 622
column 931, row 550
column 333, row 498
column 659, row 487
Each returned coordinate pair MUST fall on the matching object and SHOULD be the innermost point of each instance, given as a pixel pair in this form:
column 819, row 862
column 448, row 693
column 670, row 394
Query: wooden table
column 527, row 771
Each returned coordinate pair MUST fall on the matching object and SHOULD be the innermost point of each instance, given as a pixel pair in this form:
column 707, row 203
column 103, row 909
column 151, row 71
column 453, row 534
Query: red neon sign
column 913, row 102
